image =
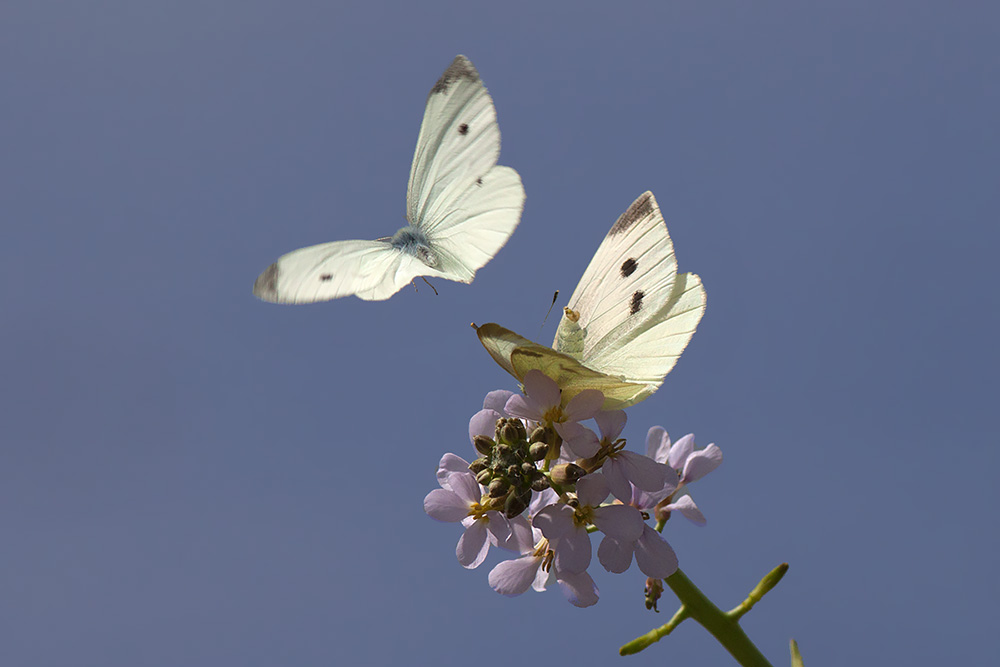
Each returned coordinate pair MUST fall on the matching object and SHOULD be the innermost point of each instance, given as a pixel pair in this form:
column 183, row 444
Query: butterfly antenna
column 554, row 298
column 431, row 286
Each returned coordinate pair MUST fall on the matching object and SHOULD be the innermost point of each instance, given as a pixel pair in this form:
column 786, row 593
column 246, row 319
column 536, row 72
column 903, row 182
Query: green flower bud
column 485, row 476
column 478, row 465
column 498, row 487
column 538, row 435
column 515, row 504
column 539, row 482
column 567, row 473
column 538, row 450
column 483, row 444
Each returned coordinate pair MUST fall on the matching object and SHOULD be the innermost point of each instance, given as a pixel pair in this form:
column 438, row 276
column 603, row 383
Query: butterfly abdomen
column 413, row 241
column 570, row 335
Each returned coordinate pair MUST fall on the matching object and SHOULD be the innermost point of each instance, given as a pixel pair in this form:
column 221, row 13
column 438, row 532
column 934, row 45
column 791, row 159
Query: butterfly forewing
column 458, row 143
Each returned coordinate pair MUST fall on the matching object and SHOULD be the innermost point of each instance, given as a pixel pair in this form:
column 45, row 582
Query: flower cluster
column 543, row 483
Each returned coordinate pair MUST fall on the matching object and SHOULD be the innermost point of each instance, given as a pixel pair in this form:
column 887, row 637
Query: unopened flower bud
column 538, row 450
column 484, row 476
column 528, row 469
column 567, row 473
column 539, row 482
column 516, row 503
column 484, row 445
column 478, row 465
column 538, row 435
column 509, row 433
column 498, row 487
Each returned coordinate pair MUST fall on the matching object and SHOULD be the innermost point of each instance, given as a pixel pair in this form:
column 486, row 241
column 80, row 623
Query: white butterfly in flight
column 627, row 322
column 461, row 208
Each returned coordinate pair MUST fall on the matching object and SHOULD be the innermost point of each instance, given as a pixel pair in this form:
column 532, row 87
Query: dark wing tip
column 460, row 68
column 642, row 207
column 266, row 285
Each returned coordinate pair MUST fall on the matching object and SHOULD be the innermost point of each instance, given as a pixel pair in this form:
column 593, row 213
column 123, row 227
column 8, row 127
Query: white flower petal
column 592, row 489
column 653, row 555
column 617, row 482
column 450, row 463
column 541, row 581
column 611, row 423
column 579, row 588
column 464, row 485
column 622, row 522
column 581, row 441
column 519, row 406
column 701, row 463
column 657, row 444
column 541, row 389
column 573, row 551
column 445, row 505
column 513, row 577
column 496, row 400
column 685, row 505
column 554, row 521
column 680, row 450
column 472, row 546
column 584, row 405
column 498, row 527
column 483, row 422
column 546, row 497
column 615, row 556
column 521, row 539
column 643, row 471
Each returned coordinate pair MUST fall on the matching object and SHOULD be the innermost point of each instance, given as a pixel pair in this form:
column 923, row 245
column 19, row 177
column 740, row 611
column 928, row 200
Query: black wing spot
column 463, row 129
column 629, row 267
column 479, row 181
column 636, row 305
column 326, row 277
column 640, row 208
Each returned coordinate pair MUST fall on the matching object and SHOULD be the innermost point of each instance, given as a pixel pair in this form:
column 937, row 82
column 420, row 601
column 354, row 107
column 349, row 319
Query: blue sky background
column 189, row 476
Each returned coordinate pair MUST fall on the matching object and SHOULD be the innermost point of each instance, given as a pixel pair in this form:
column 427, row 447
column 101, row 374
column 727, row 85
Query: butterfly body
column 461, row 207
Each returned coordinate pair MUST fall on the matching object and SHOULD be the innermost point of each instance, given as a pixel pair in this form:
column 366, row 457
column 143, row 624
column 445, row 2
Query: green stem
column 724, row 626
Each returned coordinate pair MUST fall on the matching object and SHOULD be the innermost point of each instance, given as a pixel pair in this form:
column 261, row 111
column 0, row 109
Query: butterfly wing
column 466, row 205
column 371, row 270
column 638, row 313
column 517, row 355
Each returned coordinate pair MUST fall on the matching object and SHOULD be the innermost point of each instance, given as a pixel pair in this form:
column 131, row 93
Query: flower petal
column 615, row 556
column 513, row 577
column 617, row 482
column 554, row 521
column 497, row 399
column 584, row 405
column 450, row 463
column 541, row 389
column 657, row 444
column 464, row 485
column 445, row 505
column 519, row 406
column 581, row 441
column 622, row 522
column 573, row 551
column 592, row 489
column 611, row 423
column 643, row 471
column 685, row 505
column 680, row 450
column 701, row 463
column 483, row 422
column 473, row 546
column 653, row 555
column 579, row 588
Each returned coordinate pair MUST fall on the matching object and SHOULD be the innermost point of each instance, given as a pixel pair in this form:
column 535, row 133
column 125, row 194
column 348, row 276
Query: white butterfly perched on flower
column 461, row 208
column 627, row 322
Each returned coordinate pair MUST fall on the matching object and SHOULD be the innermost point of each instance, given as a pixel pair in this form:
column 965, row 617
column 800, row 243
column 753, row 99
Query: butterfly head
column 413, row 241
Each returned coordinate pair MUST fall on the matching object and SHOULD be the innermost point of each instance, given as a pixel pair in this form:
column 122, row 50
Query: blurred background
column 189, row 476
